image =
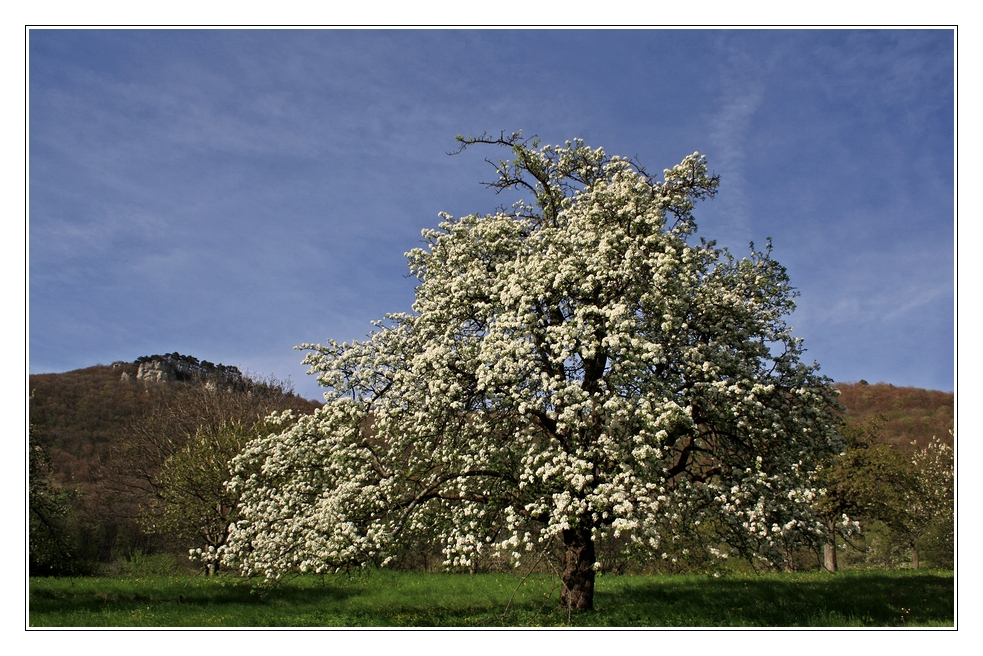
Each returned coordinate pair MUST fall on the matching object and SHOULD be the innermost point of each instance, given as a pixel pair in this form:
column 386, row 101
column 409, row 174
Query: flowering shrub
column 575, row 369
column 932, row 503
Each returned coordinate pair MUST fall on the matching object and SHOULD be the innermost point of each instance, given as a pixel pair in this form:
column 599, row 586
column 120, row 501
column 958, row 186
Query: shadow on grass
column 176, row 601
column 815, row 599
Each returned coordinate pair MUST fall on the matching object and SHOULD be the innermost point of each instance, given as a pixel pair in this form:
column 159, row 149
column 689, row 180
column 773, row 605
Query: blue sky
column 231, row 194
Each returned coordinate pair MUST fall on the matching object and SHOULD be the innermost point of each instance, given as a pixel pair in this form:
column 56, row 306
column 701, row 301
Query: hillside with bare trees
column 103, row 433
column 910, row 415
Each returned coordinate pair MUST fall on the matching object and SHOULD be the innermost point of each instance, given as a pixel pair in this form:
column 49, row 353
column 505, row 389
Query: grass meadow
column 398, row 599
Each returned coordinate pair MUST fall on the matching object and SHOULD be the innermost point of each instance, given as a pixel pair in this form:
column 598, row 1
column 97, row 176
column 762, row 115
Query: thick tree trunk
column 829, row 556
column 578, row 570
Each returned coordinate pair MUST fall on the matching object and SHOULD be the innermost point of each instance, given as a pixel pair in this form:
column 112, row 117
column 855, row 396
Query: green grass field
column 384, row 598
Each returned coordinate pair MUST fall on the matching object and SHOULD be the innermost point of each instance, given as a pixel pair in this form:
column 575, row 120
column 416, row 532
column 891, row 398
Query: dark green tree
column 52, row 541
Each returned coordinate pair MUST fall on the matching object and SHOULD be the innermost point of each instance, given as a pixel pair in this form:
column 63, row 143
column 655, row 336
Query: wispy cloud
column 739, row 89
column 267, row 183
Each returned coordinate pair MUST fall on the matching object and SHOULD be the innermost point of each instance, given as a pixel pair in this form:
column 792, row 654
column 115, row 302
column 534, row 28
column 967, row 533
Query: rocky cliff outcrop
column 157, row 371
column 173, row 367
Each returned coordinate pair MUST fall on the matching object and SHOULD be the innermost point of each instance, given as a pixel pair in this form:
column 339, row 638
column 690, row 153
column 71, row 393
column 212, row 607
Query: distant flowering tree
column 574, row 369
column 932, row 502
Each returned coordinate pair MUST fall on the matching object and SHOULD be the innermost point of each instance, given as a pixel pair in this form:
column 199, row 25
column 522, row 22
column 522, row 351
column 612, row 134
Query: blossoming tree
column 576, row 368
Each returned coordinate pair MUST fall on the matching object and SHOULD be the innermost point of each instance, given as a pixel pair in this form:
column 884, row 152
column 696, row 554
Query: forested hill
column 79, row 414
column 99, row 437
column 910, row 414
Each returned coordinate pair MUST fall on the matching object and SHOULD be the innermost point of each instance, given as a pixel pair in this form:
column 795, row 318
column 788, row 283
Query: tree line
column 163, row 488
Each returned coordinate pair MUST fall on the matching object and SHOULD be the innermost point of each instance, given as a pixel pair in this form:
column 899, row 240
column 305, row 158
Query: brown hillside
column 107, row 434
column 911, row 414
column 79, row 414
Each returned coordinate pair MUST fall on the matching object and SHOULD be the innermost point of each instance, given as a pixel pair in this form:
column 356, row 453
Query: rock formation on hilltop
column 173, row 367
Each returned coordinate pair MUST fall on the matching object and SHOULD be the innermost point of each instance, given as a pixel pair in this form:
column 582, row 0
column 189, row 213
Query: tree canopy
column 910, row 494
column 576, row 368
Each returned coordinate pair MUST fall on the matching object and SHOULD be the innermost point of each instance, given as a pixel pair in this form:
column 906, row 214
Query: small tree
column 203, row 416
column 574, row 369
column 192, row 502
column 910, row 494
column 867, row 481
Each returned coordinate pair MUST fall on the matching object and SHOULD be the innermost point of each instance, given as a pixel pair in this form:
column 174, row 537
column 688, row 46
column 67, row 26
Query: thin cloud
column 269, row 182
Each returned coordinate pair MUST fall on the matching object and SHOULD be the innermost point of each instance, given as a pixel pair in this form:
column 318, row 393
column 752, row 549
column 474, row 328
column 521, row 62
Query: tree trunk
column 578, row 570
column 914, row 557
column 829, row 556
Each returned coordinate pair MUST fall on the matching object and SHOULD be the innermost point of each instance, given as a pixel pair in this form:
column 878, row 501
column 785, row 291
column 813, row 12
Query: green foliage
column 903, row 502
column 896, row 476
column 869, row 479
column 387, row 598
column 53, row 543
column 192, row 502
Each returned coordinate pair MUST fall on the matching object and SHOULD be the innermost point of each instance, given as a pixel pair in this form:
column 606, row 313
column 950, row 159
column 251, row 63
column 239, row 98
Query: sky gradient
column 231, row 194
